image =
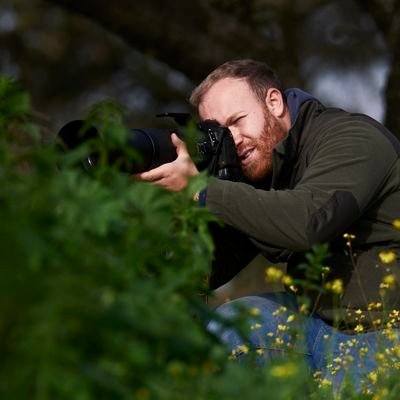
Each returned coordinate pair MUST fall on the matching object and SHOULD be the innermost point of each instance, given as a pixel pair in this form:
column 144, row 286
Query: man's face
column 255, row 130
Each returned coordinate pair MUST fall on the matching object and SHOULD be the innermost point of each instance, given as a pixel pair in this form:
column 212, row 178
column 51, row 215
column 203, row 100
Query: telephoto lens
column 153, row 147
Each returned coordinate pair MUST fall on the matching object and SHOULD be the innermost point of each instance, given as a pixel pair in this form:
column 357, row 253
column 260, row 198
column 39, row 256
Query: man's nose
column 237, row 137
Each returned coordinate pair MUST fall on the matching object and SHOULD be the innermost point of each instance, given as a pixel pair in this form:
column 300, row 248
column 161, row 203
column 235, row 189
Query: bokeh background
column 148, row 56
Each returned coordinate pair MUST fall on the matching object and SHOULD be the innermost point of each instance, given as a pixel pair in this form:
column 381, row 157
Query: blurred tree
column 67, row 62
column 386, row 15
column 299, row 38
column 149, row 55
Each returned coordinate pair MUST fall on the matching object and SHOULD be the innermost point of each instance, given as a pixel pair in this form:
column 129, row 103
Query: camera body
column 214, row 147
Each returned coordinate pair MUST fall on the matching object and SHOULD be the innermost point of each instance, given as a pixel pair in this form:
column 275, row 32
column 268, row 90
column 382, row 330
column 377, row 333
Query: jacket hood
column 295, row 98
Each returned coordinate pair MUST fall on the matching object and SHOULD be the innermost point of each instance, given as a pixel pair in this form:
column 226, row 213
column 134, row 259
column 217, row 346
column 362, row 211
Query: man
column 316, row 175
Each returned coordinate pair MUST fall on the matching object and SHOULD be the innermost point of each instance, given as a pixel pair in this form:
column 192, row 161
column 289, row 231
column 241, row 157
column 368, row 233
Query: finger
column 179, row 144
column 176, row 140
column 165, row 183
column 152, row 175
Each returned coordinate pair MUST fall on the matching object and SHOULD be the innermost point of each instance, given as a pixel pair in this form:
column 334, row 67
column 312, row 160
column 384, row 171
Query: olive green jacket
column 335, row 173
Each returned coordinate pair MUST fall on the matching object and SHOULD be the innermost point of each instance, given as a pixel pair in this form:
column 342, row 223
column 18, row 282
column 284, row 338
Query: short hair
column 258, row 75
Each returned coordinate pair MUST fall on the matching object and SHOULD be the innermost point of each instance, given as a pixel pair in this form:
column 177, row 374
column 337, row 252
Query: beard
column 273, row 133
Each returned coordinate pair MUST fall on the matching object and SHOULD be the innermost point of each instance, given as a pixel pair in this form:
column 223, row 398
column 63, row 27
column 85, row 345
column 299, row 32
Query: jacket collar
column 295, row 98
column 302, row 108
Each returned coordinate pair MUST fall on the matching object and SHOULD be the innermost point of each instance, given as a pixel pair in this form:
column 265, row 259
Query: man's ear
column 275, row 103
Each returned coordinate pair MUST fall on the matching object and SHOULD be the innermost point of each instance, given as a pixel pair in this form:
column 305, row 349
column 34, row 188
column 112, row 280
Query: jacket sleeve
column 347, row 164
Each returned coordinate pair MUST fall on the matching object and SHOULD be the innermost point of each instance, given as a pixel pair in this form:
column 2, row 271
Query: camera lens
column 153, row 147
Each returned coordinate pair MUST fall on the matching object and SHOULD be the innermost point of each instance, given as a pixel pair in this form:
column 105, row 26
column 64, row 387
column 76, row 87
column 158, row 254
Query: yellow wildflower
column 391, row 334
column 279, row 311
column 389, row 280
column 395, row 313
column 374, row 305
column 293, row 288
column 290, row 318
column 255, row 326
column 359, row 328
column 396, row 350
column 383, row 286
column 335, row 369
column 284, row 370
column 240, row 349
column 317, row 374
column 373, row 377
column 396, row 223
column 303, row 308
column 287, row 280
column 336, row 286
column 325, row 382
column 363, row 351
column 282, row 327
column 273, row 274
column 260, row 352
column 255, row 312
column 349, row 358
column 387, row 256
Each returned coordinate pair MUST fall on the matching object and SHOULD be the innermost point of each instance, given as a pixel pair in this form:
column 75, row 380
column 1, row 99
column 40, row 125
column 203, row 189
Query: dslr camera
column 214, row 147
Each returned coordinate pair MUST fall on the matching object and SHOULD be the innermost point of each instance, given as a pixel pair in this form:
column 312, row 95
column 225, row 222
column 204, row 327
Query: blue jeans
column 330, row 354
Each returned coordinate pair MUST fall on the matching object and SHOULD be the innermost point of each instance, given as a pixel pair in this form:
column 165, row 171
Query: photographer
column 315, row 175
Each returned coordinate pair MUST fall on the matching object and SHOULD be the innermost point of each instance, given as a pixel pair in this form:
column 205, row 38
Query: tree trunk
column 387, row 19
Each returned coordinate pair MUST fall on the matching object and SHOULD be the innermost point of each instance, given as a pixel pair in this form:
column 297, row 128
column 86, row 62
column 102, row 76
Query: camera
column 214, row 147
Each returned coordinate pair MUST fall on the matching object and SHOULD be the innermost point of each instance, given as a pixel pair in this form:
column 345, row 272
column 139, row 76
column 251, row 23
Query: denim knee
column 267, row 323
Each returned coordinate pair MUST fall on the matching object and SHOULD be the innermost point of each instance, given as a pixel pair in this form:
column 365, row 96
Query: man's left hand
column 172, row 176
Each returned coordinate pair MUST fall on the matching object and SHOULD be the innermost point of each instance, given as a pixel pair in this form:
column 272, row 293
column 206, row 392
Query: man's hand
column 173, row 176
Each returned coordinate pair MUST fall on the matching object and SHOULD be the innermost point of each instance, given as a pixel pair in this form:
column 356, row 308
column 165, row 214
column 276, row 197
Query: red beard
column 273, row 133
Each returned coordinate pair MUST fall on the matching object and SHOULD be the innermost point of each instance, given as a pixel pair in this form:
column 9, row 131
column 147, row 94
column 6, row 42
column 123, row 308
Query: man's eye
column 235, row 121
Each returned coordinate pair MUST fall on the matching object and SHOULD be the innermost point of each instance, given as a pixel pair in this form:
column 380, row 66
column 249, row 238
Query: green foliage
column 100, row 275
column 101, row 280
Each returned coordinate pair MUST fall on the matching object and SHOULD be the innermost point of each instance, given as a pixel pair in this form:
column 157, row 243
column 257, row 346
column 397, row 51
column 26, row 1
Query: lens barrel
column 153, row 146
